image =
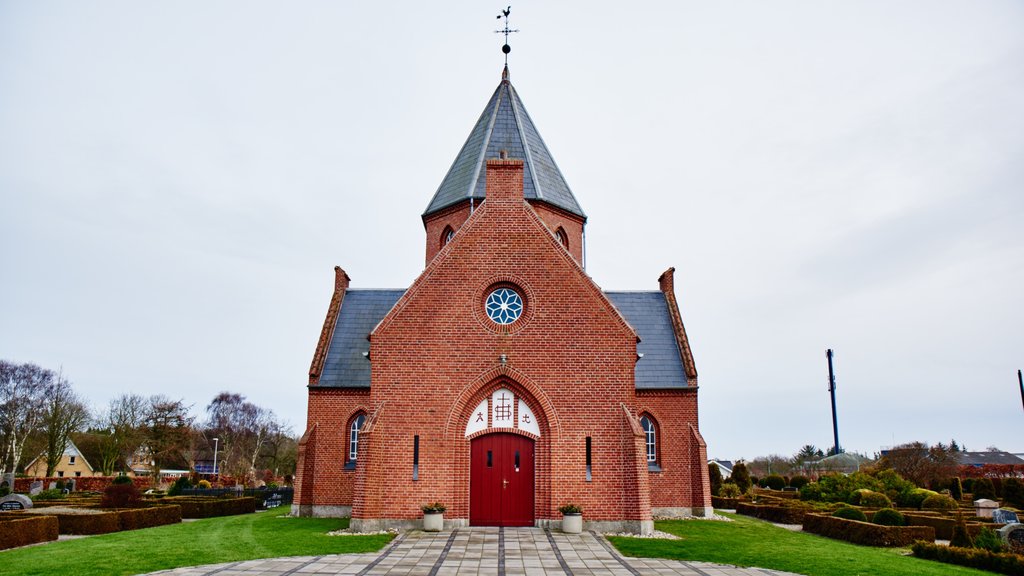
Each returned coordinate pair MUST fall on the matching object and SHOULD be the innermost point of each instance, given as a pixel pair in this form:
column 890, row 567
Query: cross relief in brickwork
column 503, row 409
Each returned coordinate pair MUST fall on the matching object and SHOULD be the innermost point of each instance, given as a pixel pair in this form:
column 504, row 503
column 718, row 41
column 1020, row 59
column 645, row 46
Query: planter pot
column 433, row 521
column 572, row 523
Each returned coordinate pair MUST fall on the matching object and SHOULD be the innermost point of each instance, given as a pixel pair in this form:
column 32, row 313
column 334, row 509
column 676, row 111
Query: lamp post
column 215, row 444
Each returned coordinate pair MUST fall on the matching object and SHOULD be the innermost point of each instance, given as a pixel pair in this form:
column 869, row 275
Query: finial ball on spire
column 506, row 48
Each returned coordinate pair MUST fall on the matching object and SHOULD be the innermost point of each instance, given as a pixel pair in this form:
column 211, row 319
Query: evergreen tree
column 741, row 477
column 715, row 475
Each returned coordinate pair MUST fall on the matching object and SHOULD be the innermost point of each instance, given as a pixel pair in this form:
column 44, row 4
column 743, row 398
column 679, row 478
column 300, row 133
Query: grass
column 213, row 540
column 749, row 542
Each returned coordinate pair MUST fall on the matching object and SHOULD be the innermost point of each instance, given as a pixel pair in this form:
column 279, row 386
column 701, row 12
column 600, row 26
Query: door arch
column 501, row 483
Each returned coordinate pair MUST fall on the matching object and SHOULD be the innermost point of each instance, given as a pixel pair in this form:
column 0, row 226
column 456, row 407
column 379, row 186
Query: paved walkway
column 479, row 551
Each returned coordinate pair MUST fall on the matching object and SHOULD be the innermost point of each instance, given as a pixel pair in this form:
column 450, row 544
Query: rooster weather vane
column 506, row 31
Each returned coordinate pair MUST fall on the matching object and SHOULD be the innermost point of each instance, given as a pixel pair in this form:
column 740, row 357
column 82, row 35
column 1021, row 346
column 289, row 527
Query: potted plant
column 433, row 516
column 572, row 518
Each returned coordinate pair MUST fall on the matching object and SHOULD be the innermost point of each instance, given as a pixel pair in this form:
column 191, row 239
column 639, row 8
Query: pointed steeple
column 504, row 125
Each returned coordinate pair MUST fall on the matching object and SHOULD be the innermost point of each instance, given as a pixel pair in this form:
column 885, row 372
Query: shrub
column 961, row 537
column 956, row 489
column 569, row 508
column 204, row 485
column 49, row 495
column 888, row 517
column 755, row 481
column 730, row 490
column 122, row 479
column 939, row 502
column 983, row 488
column 1013, row 492
column 775, row 482
column 439, row 507
column 988, row 539
column 798, row 482
column 715, row 476
column 741, row 477
column 968, row 484
column 875, row 500
column 974, row 558
column 180, row 484
column 915, row 497
column 850, row 514
column 120, row 495
column 4, row 490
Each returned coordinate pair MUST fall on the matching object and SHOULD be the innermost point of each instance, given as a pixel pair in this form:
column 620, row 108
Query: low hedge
column 22, row 530
column 1003, row 563
column 724, row 503
column 865, row 533
column 192, row 507
column 88, row 524
column 136, row 518
column 779, row 514
column 943, row 525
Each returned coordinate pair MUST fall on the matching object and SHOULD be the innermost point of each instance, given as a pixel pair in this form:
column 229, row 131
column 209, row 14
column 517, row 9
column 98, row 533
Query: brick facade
column 435, row 356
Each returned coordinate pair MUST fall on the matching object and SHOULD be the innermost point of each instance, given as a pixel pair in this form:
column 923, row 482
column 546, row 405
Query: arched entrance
column 501, row 480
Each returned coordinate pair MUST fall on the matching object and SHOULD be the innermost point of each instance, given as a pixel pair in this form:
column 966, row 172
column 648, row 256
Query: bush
column 180, row 484
column 715, row 476
column 741, row 477
column 870, row 498
column 49, row 495
column 850, row 514
column 968, row 484
column 775, row 482
column 888, row 517
column 120, row 495
column 988, row 539
column 983, row 488
column 915, row 497
column 973, row 558
column 939, row 502
column 956, row 489
column 1013, row 492
column 812, row 491
column 798, row 482
column 122, row 479
column 961, row 537
column 730, row 490
column 204, row 485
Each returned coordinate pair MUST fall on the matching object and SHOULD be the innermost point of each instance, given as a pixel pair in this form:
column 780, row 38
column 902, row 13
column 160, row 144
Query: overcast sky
column 178, row 179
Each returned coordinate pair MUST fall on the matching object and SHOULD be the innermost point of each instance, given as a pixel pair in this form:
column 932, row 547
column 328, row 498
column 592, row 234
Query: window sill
column 350, row 465
column 651, row 467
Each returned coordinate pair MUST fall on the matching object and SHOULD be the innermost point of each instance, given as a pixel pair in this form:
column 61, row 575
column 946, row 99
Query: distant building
column 724, row 466
column 72, row 464
column 979, row 459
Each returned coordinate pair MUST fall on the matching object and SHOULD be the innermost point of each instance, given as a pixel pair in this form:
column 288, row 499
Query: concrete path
column 479, row 551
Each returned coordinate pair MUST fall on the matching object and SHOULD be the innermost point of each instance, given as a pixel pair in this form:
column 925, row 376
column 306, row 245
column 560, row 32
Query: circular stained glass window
column 504, row 306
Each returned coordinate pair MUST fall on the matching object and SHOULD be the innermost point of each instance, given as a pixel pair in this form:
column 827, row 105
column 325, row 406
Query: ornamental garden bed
column 17, row 529
column 865, row 533
column 943, row 524
column 90, row 521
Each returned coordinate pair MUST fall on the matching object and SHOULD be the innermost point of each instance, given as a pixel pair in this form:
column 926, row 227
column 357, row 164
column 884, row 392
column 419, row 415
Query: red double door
column 501, row 480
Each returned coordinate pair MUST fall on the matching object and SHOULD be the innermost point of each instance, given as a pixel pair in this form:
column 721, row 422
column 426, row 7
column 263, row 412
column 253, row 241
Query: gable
column 660, row 365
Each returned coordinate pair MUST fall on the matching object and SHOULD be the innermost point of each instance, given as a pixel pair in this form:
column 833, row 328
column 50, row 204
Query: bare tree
column 244, row 429
column 121, row 427
column 22, row 395
column 167, row 427
column 63, row 413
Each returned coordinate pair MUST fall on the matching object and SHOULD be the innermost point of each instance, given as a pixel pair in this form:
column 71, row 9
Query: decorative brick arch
column 459, row 444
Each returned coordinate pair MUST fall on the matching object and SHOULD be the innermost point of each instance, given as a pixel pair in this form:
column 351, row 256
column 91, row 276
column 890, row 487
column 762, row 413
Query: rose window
column 504, row 306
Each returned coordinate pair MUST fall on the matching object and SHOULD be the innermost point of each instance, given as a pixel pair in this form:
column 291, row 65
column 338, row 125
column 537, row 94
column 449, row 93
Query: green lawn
column 227, row 539
column 749, row 542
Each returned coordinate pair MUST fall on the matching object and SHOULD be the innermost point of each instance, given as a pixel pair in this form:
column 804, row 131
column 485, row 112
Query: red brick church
column 504, row 382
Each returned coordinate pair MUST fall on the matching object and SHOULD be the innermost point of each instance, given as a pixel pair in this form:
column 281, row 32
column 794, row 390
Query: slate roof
column 361, row 311
column 982, row 458
column 504, row 125
column 647, row 312
column 661, row 366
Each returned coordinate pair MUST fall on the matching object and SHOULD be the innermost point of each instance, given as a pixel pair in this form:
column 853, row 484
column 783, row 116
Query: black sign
column 1016, row 536
column 11, row 505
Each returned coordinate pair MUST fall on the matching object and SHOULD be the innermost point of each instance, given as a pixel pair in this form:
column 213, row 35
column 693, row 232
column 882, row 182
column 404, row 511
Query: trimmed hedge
column 943, row 525
column 88, row 524
column 1003, row 563
column 724, row 503
column 848, row 513
column 865, row 533
column 888, row 517
column 136, row 518
column 939, row 502
column 779, row 514
column 22, row 530
column 193, row 507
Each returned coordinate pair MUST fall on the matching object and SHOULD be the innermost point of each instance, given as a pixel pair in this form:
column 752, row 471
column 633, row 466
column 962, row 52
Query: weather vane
column 506, row 31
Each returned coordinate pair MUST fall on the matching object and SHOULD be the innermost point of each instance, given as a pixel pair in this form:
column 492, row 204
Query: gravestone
column 1013, row 536
column 53, row 485
column 1001, row 516
column 9, row 480
column 69, row 486
column 984, row 507
column 15, row 502
column 36, row 487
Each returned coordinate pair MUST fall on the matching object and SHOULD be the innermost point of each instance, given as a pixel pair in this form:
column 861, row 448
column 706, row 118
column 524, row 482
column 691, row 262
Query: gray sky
column 177, row 180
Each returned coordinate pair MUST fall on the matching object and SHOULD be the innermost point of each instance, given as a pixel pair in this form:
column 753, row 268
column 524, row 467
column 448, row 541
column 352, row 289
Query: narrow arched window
column 563, row 238
column 353, row 439
column 651, row 440
column 447, row 236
